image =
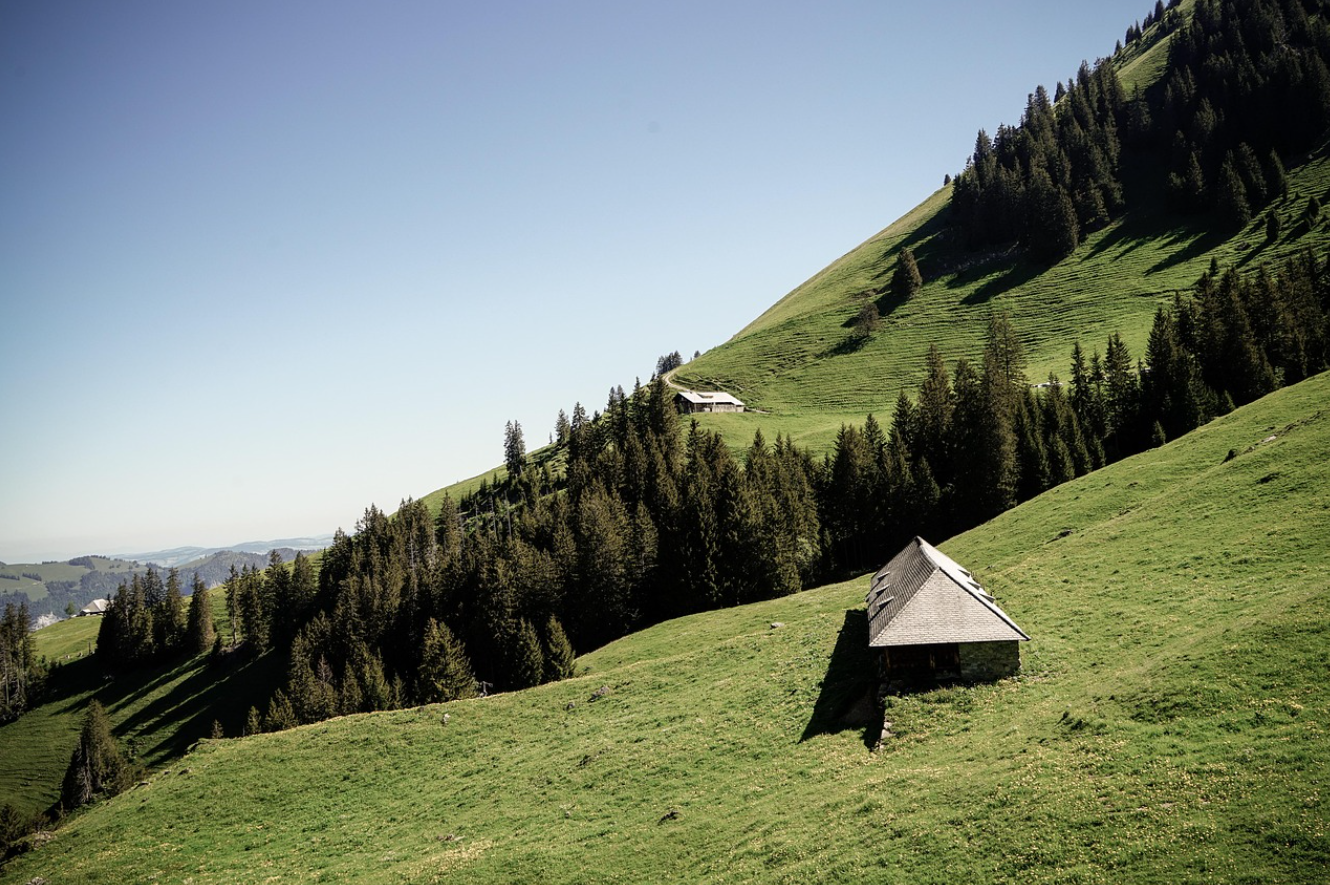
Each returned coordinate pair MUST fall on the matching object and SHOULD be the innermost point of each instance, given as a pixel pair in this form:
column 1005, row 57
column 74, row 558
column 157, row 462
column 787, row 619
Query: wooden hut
column 707, row 401
column 96, row 607
column 934, row 623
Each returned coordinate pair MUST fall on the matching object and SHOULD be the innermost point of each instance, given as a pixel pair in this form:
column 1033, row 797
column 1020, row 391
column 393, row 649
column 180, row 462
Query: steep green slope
column 1170, row 724
column 800, row 362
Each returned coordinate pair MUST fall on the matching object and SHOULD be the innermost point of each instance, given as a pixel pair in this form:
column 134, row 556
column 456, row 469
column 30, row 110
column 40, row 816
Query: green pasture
column 156, row 713
column 1170, row 724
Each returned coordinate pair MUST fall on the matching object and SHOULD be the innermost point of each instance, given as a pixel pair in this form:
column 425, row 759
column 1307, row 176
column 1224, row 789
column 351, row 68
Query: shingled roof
column 923, row 597
column 702, row 397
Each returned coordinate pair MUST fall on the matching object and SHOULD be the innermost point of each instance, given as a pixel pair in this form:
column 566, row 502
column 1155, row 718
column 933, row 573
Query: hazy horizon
column 429, row 219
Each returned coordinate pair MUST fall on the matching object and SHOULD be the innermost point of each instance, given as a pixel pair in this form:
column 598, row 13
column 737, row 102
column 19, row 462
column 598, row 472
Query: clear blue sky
column 264, row 263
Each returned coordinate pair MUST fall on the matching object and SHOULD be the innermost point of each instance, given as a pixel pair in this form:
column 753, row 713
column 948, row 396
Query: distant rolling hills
column 49, row 588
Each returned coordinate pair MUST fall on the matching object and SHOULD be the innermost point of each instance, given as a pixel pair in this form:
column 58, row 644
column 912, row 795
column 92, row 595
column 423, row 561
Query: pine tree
column 169, row 617
column 301, row 596
column 1231, row 196
column 867, row 321
column 1122, row 400
column 934, row 410
column 514, row 449
column 906, row 280
column 526, row 664
column 97, row 765
column 280, row 715
column 199, row 631
column 253, row 723
column 559, row 656
column 603, row 608
column 445, row 673
column 1273, row 226
column 985, row 463
column 1157, row 436
column 1276, row 179
column 233, row 590
column 19, row 670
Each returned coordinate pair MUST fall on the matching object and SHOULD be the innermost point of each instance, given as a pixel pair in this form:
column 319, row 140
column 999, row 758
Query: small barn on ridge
column 707, row 401
column 934, row 622
column 96, row 607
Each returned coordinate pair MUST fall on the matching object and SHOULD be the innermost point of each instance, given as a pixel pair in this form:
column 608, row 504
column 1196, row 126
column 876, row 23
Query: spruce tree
column 936, row 403
column 96, row 766
column 526, row 660
column 985, row 463
column 1231, row 196
column 559, row 656
column 18, row 662
column 906, row 280
column 302, row 590
column 1122, row 400
column 233, row 591
column 1276, row 179
column 514, row 449
column 199, row 631
column 445, row 673
column 280, row 715
column 603, row 608
column 867, row 321
column 1034, row 468
column 1157, row 437
column 169, row 617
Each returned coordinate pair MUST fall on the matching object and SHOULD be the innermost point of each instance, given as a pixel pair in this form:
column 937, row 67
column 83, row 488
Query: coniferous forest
column 1247, row 87
column 651, row 519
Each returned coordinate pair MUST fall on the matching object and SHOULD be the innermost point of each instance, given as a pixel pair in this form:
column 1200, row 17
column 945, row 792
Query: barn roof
column 709, row 396
column 96, row 607
column 924, row 597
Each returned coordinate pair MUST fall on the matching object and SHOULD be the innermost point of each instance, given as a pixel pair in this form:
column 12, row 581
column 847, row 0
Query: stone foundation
column 986, row 661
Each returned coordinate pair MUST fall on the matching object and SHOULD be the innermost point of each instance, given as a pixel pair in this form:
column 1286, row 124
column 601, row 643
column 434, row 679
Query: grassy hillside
column 1171, row 724
column 157, row 713
column 800, row 362
column 31, row 578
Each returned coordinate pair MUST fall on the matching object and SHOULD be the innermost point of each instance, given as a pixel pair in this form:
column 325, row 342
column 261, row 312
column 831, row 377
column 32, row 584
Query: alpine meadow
column 1090, row 368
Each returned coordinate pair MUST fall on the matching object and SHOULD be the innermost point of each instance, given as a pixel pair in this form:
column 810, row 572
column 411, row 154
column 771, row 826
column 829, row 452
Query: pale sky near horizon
column 264, row 263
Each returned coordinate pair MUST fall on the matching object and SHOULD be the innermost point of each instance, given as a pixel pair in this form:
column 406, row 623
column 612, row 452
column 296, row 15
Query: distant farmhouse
column 933, row 622
column 96, row 607
column 690, row 401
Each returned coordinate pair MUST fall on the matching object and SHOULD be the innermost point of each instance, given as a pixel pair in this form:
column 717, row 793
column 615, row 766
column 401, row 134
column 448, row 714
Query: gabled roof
column 923, row 597
column 699, row 397
column 96, row 607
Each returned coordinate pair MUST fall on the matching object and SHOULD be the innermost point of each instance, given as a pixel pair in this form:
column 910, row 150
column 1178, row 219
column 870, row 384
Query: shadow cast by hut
column 848, row 697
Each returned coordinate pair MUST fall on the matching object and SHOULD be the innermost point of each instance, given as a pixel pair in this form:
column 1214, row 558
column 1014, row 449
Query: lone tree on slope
column 907, row 280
